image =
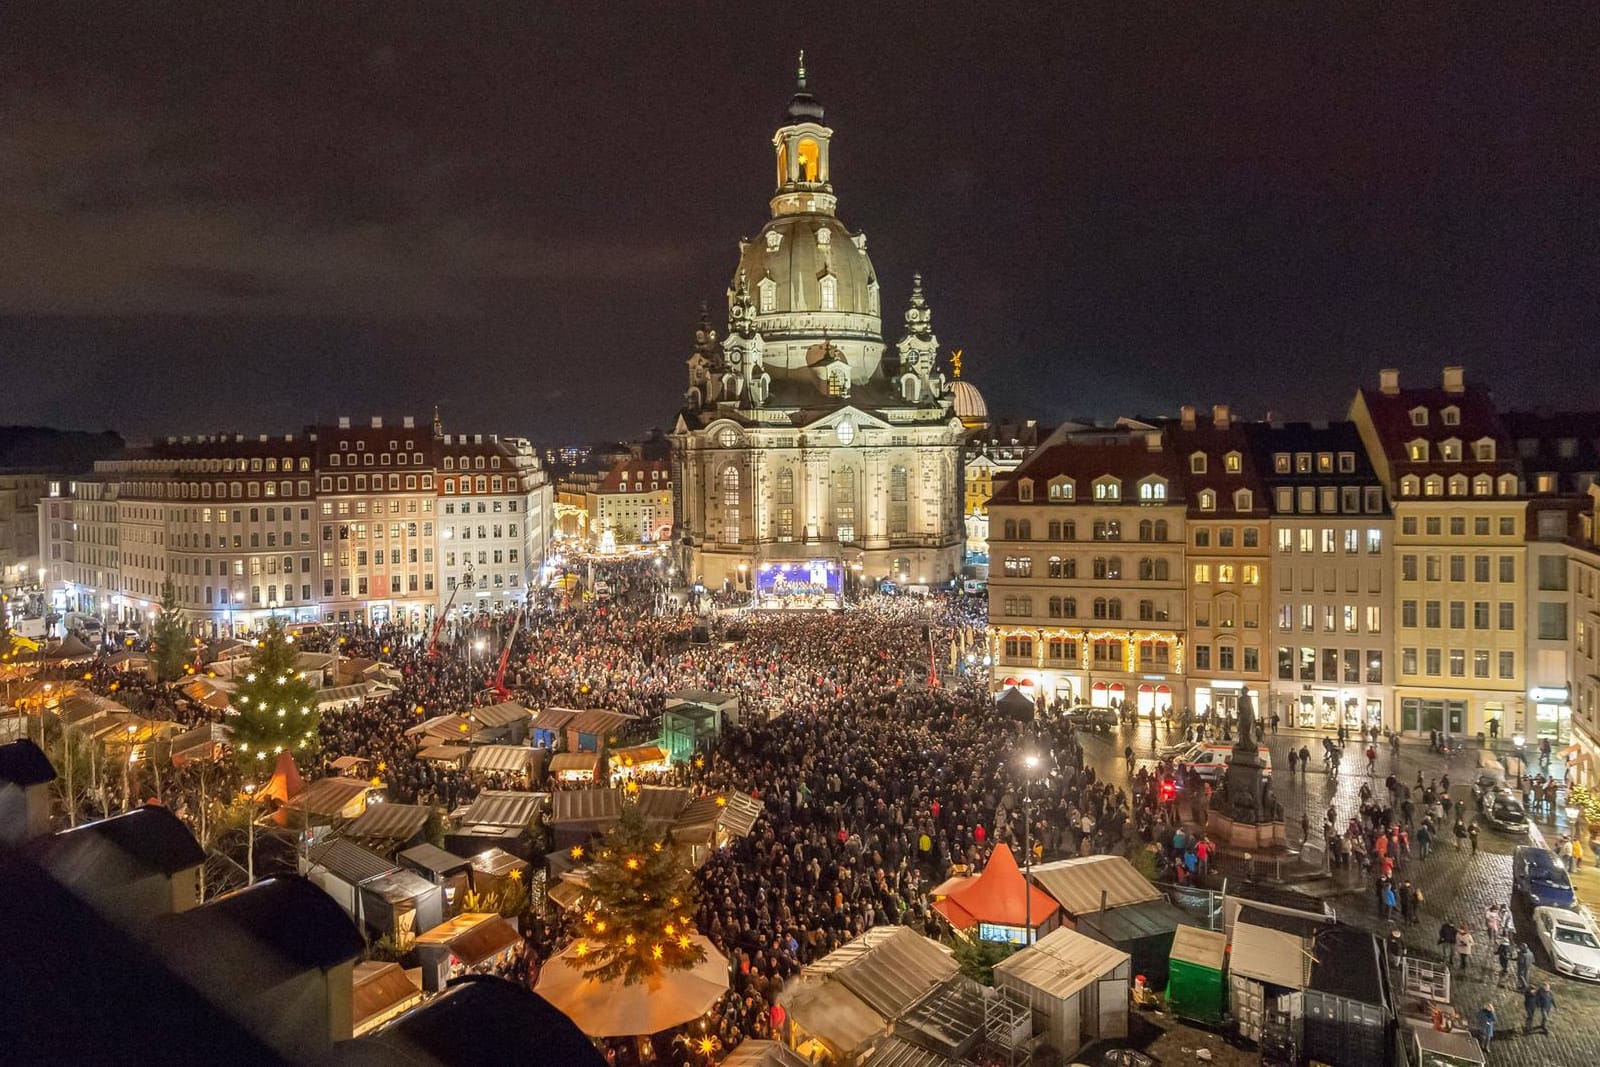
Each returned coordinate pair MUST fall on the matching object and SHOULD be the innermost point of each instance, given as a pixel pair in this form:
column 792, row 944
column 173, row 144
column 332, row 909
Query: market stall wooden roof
column 504, row 714
column 661, row 804
column 735, row 813
column 340, row 695
column 566, row 892
column 379, row 992
column 128, row 661
column 1062, row 962
column 346, row 764
column 1208, row 948
column 553, row 719
column 1077, row 884
column 593, row 809
column 831, row 1013
column 505, row 807
column 348, row 861
column 472, row 937
column 203, row 742
column 434, row 859
column 507, row 759
column 84, row 708
column 888, row 967
column 443, row 753
column 444, row 727
column 213, row 693
column 329, row 796
column 597, row 721
column 389, row 822
column 497, row 862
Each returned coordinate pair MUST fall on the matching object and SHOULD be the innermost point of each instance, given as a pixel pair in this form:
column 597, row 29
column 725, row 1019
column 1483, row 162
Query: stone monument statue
column 1245, row 813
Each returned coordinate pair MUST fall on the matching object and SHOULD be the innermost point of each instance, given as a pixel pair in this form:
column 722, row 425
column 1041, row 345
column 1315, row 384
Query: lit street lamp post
column 1031, row 762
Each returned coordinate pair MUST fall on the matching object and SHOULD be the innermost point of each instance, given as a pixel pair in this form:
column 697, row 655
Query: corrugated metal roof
column 206, row 735
column 734, row 812
column 484, row 940
column 1077, row 884
column 506, row 759
column 343, row 694
column 628, row 757
column 389, row 822
column 897, row 1052
column 349, row 861
column 574, row 808
column 398, row 886
column 448, row 727
column 831, row 1013
column 1267, row 955
column 1061, row 963
column 496, row 715
column 443, row 753
column 434, row 859
column 509, row 808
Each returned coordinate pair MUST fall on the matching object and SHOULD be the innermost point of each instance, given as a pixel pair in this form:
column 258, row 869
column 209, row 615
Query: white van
column 1210, row 761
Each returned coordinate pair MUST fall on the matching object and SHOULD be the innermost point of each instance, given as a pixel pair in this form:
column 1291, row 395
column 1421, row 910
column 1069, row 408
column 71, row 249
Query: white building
column 495, row 510
column 803, row 442
column 633, row 501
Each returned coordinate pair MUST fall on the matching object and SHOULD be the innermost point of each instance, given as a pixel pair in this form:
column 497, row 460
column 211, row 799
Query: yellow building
column 1460, row 554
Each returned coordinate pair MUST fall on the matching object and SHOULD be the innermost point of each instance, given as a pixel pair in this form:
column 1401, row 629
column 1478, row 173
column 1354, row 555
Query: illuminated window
column 829, row 289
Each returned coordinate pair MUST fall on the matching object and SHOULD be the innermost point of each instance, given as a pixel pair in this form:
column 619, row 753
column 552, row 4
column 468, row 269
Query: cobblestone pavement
column 1456, row 886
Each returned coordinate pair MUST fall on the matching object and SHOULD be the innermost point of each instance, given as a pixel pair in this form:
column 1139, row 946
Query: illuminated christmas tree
column 639, row 907
column 276, row 707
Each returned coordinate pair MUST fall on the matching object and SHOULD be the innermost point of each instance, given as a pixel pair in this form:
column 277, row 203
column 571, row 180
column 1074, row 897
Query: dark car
column 1087, row 717
column 1502, row 810
column 1487, row 781
column 1537, row 875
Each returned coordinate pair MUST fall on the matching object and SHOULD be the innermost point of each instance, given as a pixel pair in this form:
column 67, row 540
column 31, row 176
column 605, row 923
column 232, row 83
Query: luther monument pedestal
column 1244, row 813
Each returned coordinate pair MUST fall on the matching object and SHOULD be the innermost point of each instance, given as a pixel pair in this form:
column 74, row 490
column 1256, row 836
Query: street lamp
column 250, row 849
column 1031, row 762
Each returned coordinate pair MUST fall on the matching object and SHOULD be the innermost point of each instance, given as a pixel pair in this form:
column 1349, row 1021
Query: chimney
column 1186, row 414
column 344, row 422
column 1455, row 380
column 377, row 422
column 408, row 423
column 1389, row 382
column 1219, row 416
column 1152, row 442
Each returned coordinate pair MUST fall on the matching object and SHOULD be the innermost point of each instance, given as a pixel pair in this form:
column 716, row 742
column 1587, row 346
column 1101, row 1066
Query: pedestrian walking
column 1547, row 1006
column 1447, row 943
column 1524, row 964
column 1464, row 945
column 1491, row 922
column 1294, row 758
column 1530, row 1004
column 1502, row 952
column 1127, row 756
column 1472, row 832
column 1460, row 832
column 1372, row 760
column 1486, row 1022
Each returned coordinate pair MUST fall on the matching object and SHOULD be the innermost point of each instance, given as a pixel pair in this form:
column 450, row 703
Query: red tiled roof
column 1086, row 457
column 639, row 472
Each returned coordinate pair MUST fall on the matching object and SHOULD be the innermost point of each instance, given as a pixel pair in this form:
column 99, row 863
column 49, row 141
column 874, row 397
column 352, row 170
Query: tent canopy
column 1014, row 704
column 613, row 1009
column 1062, row 963
column 507, row 759
column 285, row 783
column 888, row 967
column 998, row 895
column 389, row 822
column 497, row 715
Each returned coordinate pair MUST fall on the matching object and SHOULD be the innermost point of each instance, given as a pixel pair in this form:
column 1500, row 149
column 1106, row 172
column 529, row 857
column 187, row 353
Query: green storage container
column 1194, row 975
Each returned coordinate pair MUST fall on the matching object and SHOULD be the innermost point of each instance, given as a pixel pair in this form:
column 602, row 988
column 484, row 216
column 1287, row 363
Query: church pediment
column 857, row 417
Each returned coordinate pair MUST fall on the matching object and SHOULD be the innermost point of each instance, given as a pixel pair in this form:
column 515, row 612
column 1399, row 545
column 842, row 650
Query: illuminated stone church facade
column 804, row 439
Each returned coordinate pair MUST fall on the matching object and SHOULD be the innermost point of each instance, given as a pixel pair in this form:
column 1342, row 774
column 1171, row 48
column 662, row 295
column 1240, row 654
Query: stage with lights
column 799, row 585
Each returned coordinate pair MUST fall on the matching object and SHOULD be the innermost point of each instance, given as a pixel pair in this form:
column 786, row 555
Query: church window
column 898, row 495
column 730, row 504
column 784, row 493
column 774, row 239
column 844, row 510
column 872, row 297
column 728, row 438
column 767, row 295
column 829, row 287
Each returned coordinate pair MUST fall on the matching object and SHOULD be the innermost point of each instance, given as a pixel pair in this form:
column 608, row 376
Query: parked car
column 1537, row 875
column 1210, row 761
column 1571, row 940
column 1487, row 780
column 1502, row 810
column 1088, row 717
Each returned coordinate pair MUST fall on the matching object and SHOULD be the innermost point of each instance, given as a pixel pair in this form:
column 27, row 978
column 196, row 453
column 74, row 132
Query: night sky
column 252, row 217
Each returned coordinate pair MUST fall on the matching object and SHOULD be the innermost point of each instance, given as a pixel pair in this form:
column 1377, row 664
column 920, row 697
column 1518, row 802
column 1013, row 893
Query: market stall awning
column 472, row 937
column 84, row 708
column 1077, row 884
column 661, row 804
column 832, row 1014
column 380, row 991
column 444, row 727
column 203, row 742
column 443, row 753
column 346, row 764
column 341, row 695
column 574, row 763
column 637, row 756
column 566, row 892
column 331, row 797
column 498, row 715
column 210, row 692
column 588, row 809
column 389, row 822
column 598, row 721
column 553, row 719
column 505, row 807
column 434, row 859
column 507, row 759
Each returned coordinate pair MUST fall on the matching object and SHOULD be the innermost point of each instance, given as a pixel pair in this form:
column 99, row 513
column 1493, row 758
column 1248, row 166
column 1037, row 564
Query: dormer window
column 1458, row 485
column 1281, row 463
column 1483, row 485
column 1243, row 500
column 828, row 287
column 1433, row 485
column 1025, row 490
column 1347, row 462
column 1409, row 485
column 1208, row 500
column 1107, row 489
column 1483, row 450
column 1450, row 416
column 1233, row 463
column 774, row 239
column 1062, row 489
column 1419, row 416
column 1417, row 451
column 1508, row 485
column 1197, row 463
column 1153, row 489
column 1324, row 462
column 1450, row 450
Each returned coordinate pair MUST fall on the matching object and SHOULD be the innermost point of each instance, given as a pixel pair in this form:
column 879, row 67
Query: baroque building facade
column 805, row 443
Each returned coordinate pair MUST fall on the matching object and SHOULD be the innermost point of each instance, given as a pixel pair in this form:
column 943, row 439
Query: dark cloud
column 517, row 211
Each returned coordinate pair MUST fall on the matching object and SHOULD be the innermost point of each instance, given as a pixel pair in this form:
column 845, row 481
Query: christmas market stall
column 577, row 816
column 996, row 905
column 1076, row 986
column 380, row 992
column 499, row 818
column 469, row 943
column 628, row 763
column 509, row 761
column 575, row 767
column 507, row 722
column 451, row 873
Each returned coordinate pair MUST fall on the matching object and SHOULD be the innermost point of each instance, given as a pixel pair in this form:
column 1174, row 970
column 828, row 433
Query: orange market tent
column 998, row 897
column 285, row 783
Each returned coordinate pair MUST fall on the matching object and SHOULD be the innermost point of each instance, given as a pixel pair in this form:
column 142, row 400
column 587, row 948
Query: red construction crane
column 499, row 686
column 433, row 645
